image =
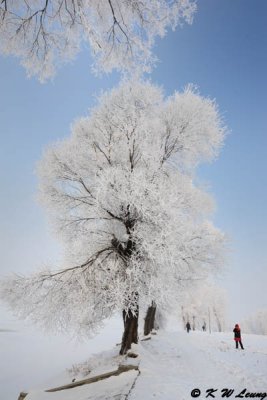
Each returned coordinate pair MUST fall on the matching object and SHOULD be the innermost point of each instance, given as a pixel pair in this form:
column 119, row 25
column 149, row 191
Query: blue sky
column 224, row 53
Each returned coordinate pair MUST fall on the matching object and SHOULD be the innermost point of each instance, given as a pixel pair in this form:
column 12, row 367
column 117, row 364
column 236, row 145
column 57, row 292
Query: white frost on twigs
column 121, row 34
column 120, row 193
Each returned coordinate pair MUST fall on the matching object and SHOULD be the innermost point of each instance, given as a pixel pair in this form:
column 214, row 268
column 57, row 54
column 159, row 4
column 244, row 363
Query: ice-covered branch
column 47, row 33
column 134, row 225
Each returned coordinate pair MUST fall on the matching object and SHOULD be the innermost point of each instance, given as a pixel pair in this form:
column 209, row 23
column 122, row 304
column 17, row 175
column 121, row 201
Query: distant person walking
column 188, row 327
column 204, row 327
column 237, row 338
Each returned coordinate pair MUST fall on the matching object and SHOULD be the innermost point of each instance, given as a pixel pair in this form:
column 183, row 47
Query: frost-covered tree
column 256, row 323
column 205, row 304
column 120, row 193
column 46, row 33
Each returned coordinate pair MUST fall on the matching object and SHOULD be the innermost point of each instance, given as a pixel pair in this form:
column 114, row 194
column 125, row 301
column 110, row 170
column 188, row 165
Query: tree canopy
column 121, row 195
column 120, row 34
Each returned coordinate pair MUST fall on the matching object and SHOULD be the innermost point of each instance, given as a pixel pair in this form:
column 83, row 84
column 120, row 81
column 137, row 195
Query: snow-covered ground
column 172, row 364
column 30, row 359
column 175, row 363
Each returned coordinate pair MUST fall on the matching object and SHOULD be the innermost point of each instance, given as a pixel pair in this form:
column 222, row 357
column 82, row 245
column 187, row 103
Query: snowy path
column 173, row 364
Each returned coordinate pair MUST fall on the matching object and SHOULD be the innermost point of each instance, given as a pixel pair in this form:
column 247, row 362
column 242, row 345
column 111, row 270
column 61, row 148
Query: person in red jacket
column 237, row 332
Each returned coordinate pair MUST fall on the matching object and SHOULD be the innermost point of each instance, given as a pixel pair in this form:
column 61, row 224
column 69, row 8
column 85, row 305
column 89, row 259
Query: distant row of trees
column 256, row 323
column 206, row 306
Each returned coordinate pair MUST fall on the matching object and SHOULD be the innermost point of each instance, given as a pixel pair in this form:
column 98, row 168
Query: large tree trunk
column 130, row 334
column 150, row 319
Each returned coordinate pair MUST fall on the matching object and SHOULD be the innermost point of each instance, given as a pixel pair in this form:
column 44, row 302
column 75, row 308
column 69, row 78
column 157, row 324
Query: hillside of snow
column 171, row 365
column 32, row 359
